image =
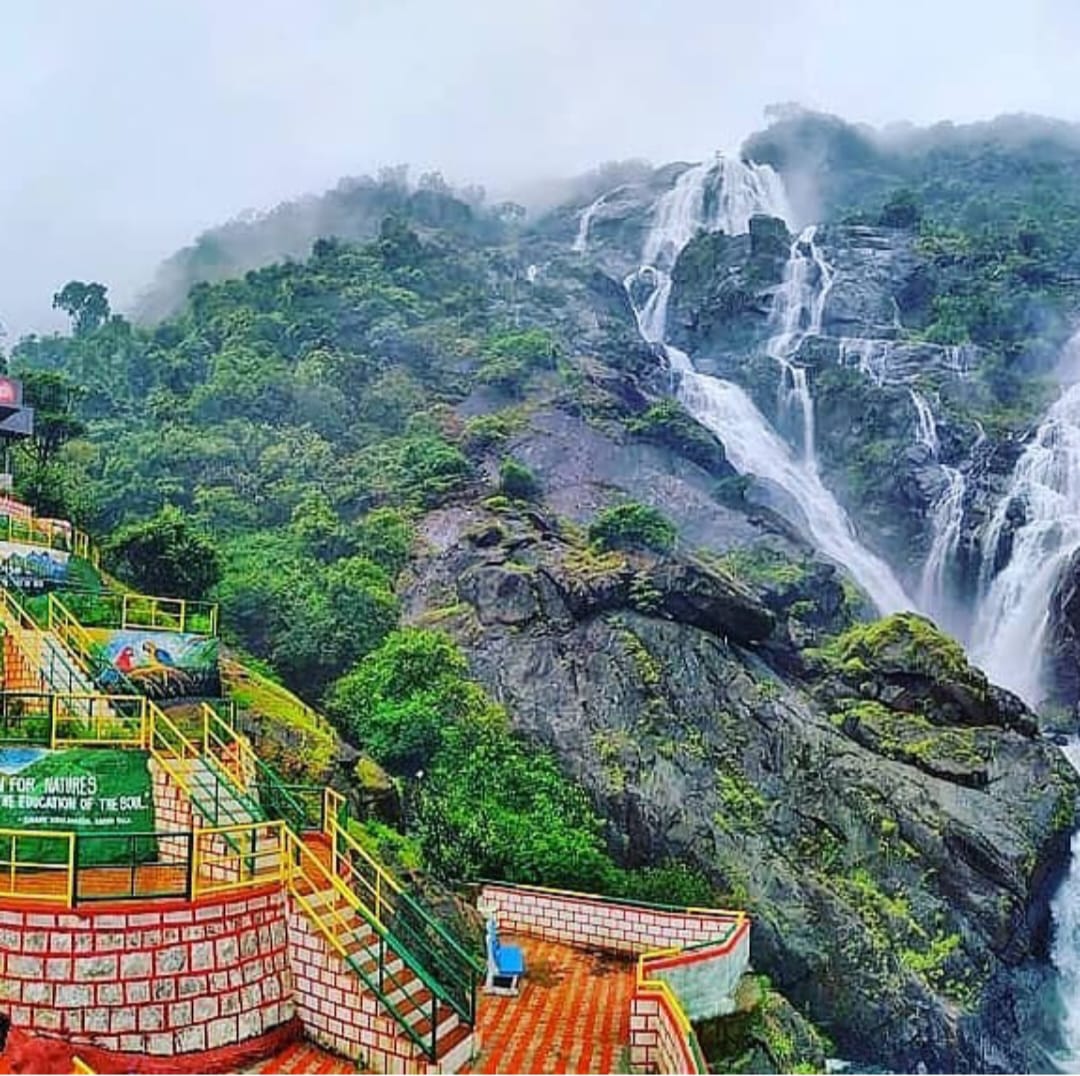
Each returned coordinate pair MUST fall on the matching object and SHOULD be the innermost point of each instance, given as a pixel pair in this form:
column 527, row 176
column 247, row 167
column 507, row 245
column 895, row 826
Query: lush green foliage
column 298, row 417
column 165, row 555
column 517, row 481
column 485, row 803
column 668, row 423
column 632, row 525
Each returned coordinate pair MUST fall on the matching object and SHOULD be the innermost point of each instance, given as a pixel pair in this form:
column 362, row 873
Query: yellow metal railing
column 169, row 746
column 232, row 751
column 37, row 865
column 80, row 1068
column 49, row 534
column 376, row 885
column 333, row 802
column 227, row 858
column 66, row 627
column 308, row 876
column 152, row 613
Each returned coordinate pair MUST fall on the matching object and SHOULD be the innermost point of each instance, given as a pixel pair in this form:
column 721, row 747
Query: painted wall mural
column 31, row 567
column 161, row 664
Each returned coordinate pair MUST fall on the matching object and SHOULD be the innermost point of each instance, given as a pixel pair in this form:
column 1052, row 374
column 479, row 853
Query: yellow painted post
column 183, row 613
column 71, row 870
column 196, row 864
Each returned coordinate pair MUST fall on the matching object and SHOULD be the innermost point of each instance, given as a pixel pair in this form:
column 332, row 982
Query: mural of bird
column 125, row 660
column 157, row 655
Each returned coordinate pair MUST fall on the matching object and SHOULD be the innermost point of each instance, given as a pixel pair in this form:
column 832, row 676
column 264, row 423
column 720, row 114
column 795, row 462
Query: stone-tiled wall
column 595, row 923
column 657, row 1042
column 340, row 1014
column 162, row 981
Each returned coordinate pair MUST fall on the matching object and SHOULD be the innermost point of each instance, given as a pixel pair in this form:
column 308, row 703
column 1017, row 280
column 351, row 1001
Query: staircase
column 419, row 980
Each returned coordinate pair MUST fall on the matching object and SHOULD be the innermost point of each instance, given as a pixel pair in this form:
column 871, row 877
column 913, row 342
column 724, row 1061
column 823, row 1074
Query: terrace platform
column 572, row 1015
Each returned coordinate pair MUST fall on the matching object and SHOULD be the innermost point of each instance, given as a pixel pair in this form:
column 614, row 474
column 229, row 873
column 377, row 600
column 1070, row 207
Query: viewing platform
column 168, row 903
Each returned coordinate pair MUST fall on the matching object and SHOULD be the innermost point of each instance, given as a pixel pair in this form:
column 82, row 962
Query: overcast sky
column 128, row 126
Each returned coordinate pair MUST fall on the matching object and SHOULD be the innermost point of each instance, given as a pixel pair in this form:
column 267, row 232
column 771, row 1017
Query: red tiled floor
column 572, row 1015
column 305, row 1056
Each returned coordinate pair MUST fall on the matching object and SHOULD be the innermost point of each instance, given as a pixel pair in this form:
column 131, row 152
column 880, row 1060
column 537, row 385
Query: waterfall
column 752, row 445
column 581, row 240
column 927, row 428
column 797, row 313
column 1013, row 613
column 1065, row 951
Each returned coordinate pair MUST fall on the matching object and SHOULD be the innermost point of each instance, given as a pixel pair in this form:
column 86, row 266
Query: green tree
column 55, row 398
column 385, row 536
column 86, row 304
column 165, row 555
column 399, row 698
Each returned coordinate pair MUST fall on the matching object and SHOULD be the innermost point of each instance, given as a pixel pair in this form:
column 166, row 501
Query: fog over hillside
column 129, row 128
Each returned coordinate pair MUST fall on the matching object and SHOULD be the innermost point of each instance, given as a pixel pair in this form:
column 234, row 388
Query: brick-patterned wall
column 162, row 982
column 172, row 814
column 338, row 1012
column 595, row 923
column 657, row 1042
column 18, row 674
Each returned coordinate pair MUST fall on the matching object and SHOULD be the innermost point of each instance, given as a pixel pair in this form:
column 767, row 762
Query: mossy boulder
column 905, row 662
column 764, row 1034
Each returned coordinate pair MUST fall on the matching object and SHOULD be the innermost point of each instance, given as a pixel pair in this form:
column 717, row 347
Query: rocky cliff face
column 892, row 822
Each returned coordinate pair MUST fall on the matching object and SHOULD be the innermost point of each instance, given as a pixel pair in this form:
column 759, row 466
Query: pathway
column 572, row 1015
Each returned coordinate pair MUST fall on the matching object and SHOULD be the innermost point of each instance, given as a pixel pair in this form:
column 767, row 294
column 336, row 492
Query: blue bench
column 505, row 964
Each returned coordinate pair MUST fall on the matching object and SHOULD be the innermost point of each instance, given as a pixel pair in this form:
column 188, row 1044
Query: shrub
column 633, row 525
column 517, row 481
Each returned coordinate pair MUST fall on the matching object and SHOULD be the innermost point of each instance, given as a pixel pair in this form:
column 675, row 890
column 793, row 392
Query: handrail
column 22, row 626
column 168, row 614
column 38, row 531
column 11, row 865
column 106, row 717
column 237, row 758
column 335, row 926
column 167, row 743
column 234, row 753
column 450, row 964
column 207, row 861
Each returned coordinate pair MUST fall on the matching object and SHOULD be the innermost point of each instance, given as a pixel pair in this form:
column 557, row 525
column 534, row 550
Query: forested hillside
column 448, row 488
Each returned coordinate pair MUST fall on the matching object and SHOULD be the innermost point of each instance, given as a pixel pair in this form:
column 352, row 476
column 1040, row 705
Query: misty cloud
column 128, row 128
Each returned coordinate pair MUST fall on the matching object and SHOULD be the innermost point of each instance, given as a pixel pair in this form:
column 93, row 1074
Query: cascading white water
column 1013, row 613
column 946, row 520
column 581, row 240
column 753, row 447
column 798, row 310
column 926, row 433
column 1065, row 951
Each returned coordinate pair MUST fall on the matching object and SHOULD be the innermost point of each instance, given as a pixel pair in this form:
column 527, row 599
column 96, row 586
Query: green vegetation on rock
column 633, row 525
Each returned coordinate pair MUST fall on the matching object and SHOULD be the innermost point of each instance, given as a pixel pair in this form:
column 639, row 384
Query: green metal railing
column 452, row 971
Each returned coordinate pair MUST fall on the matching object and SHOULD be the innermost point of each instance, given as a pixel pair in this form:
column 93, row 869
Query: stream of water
column 752, row 445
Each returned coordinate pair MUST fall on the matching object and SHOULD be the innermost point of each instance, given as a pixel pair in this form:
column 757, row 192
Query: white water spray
column 581, row 240
column 752, row 445
column 926, row 432
column 1013, row 614
column 798, row 310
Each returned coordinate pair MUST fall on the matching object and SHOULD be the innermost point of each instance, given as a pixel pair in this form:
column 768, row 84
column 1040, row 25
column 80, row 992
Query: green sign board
column 102, row 795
